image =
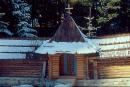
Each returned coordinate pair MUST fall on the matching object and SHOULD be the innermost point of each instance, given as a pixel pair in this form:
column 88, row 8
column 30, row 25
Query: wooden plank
column 114, row 69
column 20, row 68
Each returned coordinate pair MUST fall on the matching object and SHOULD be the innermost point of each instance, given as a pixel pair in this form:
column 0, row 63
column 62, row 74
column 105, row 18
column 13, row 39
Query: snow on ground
column 63, row 85
column 23, row 86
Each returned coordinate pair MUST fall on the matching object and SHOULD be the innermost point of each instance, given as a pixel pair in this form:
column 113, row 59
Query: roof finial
column 68, row 9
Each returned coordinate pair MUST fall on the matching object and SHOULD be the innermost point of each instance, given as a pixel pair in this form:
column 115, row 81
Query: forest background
column 41, row 18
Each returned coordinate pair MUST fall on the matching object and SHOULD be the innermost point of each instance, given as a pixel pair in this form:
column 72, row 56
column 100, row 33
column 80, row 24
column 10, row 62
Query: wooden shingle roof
column 68, row 31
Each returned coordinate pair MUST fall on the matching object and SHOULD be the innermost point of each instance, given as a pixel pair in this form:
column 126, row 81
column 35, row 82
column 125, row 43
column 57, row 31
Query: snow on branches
column 21, row 11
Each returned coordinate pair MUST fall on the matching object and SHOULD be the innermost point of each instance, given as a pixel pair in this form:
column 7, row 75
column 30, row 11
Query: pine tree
column 107, row 10
column 106, row 14
column 21, row 11
column 4, row 27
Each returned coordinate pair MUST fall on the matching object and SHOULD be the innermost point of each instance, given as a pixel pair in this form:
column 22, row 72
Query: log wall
column 81, row 67
column 113, row 68
column 53, row 66
column 21, row 68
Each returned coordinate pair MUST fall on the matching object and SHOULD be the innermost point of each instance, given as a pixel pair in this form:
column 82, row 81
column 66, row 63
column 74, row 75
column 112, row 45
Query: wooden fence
column 21, row 68
column 113, row 68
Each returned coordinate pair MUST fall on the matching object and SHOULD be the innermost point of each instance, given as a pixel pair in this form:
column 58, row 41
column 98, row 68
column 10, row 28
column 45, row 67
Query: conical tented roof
column 68, row 31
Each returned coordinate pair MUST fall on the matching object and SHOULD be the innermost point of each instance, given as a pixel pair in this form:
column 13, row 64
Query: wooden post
column 81, row 71
column 95, row 69
column 43, row 73
column 87, row 70
column 50, row 67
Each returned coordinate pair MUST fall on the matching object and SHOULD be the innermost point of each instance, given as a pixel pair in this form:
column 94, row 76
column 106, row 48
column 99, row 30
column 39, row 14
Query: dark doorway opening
column 68, row 65
column 90, row 69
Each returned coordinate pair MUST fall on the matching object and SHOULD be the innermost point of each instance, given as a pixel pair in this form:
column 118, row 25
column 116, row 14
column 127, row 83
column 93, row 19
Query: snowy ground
column 57, row 85
column 63, row 85
column 23, row 86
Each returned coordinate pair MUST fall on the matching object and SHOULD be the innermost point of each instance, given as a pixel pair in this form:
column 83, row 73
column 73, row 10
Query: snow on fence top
column 115, row 54
column 117, row 46
column 12, row 56
column 120, row 39
column 20, row 42
column 17, row 49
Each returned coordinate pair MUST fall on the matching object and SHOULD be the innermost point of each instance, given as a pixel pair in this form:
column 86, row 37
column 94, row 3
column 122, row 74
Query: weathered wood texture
column 53, row 66
column 21, row 68
column 68, row 32
column 81, row 69
column 113, row 68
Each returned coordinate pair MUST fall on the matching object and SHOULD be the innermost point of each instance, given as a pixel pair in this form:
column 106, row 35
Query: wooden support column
column 87, row 70
column 95, row 70
column 50, row 67
column 81, row 71
column 53, row 68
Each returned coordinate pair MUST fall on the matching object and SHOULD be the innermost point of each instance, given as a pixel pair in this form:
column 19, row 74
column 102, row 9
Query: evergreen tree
column 4, row 27
column 107, row 10
column 21, row 11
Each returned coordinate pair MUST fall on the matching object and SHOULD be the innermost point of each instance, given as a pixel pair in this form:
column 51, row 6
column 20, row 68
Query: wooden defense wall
column 21, row 68
column 113, row 68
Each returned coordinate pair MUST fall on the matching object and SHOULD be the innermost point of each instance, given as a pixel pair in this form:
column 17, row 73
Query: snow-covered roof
column 66, row 47
column 67, row 39
column 17, row 49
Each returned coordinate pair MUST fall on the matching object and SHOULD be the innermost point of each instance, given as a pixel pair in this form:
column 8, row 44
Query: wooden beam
column 87, row 70
column 43, row 73
column 95, row 70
